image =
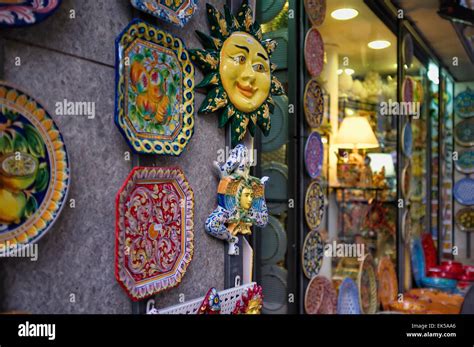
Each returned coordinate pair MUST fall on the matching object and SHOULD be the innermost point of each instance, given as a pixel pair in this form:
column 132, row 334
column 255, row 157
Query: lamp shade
column 380, row 160
column 355, row 132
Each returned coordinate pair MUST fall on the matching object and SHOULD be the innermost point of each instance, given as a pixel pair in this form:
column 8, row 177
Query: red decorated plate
column 320, row 296
column 408, row 89
column 314, row 52
column 388, row 286
column 429, row 251
column 316, row 11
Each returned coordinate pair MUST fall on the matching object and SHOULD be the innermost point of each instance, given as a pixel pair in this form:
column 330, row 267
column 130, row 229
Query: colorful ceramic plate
column 314, row 205
column 275, row 289
column 463, row 191
column 464, row 132
column 367, row 285
column 274, row 242
column 268, row 10
column 465, row 219
column 388, row 284
column 407, row 140
column 154, row 232
column 444, row 284
column 34, row 169
column 465, row 162
column 154, row 106
column 177, row 12
column 314, row 155
column 407, row 50
column 429, row 251
column 278, row 135
column 16, row 13
column 348, row 298
column 316, row 11
column 408, row 89
column 406, row 181
column 417, row 261
column 312, row 254
column 320, row 296
column 314, row 52
column 313, row 104
column 464, row 104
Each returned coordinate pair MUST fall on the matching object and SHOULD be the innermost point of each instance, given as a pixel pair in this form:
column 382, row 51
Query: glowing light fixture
column 344, row 13
column 339, row 72
column 379, row 44
column 349, row 71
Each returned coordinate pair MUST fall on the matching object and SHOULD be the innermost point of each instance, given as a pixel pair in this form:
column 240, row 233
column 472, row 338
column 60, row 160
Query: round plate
column 314, row 52
column 406, row 181
column 408, row 89
column 417, row 261
column 406, row 227
column 274, row 286
column 313, row 104
column 320, row 296
column 464, row 104
column 274, row 242
column 314, row 155
column 367, row 285
column 348, row 298
column 465, row 219
column 407, row 50
column 268, row 10
column 278, row 135
column 465, row 162
column 444, row 284
column 314, row 205
column 388, row 286
column 464, row 132
column 312, row 254
column 429, row 251
column 276, row 186
column 316, row 11
column 407, row 140
column 463, row 191
column 34, row 169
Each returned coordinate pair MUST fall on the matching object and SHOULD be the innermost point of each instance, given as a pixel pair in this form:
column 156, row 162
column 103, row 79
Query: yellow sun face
column 245, row 71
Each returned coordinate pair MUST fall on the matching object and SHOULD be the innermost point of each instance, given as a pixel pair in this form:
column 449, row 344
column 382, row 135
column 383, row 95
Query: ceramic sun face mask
column 238, row 71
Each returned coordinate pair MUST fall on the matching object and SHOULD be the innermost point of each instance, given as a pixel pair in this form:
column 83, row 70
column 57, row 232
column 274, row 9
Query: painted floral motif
column 313, row 253
column 314, row 205
column 314, row 52
column 211, row 303
column 177, row 12
column 314, row 104
column 251, row 302
column 314, row 155
column 25, row 12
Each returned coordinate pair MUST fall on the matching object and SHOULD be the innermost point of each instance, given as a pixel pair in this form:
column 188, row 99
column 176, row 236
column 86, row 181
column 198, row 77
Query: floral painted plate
column 464, row 132
column 465, row 162
column 388, row 284
column 316, row 11
column 367, row 285
column 314, row 155
column 278, row 135
column 34, row 169
column 418, row 261
column 177, row 12
column 408, row 89
column 314, row 52
column 407, row 140
column 312, row 254
column 464, row 104
column 314, row 205
column 154, row 232
column 463, row 191
column 407, row 50
column 313, row 104
column 274, row 242
column 465, row 219
column 154, row 106
column 17, row 13
column 348, row 298
column 320, row 296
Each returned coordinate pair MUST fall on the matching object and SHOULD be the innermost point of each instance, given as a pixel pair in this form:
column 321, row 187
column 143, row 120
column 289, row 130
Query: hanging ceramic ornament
column 17, row 13
column 464, row 104
column 314, row 52
column 177, row 12
column 240, row 200
column 237, row 72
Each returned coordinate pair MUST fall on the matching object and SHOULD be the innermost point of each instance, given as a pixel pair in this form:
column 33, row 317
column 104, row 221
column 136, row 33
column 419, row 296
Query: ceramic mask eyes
column 245, row 71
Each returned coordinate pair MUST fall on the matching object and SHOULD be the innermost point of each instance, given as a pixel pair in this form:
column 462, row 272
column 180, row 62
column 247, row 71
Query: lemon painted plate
column 34, row 169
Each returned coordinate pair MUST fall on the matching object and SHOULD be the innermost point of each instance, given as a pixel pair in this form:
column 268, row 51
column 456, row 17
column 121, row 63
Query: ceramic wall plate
column 407, row 49
column 313, row 104
column 154, row 232
column 407, row 140
column 367, row 286
column 268, row 10
column 417, row 261
column 275, row 289
column 34, row 169
column 463, row 191
column 177, row 12
column 348, row 298
column 17, row 13
column 314, row 52
column 464, row 104
column 406, row 227
column 314, row 155
column 314, row 205
column 464, row 132
column 274, row 242
column 276, row 186
column 154, row 106
column 312, row 254
column 429, row 251
column 444, row 284
column 320, row 296
column 408, row 89
column 278, row 135
column 388, row 284
column 280, row 55
column 406, row 181
column 316, row 11
column 465, row 219
column 465, row 162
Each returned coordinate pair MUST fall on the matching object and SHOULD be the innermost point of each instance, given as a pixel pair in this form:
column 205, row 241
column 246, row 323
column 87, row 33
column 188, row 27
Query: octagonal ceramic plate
column 177, row 12
column 17, row 13
column 154, row 230
column 154, row 106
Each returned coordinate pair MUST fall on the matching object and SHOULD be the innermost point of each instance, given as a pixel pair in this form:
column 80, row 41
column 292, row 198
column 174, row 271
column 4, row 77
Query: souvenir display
column 314, row 52
column 408, row 89
column 313, row 104
column 154, row 106
column 407, row 50
column 464, row 104
column 273, row 242
column 367, row 286
column 177, row 12
column 316, row 11
column 314, row 205
column 465, row 219
column 407, row 140
column 463, row 191
column 251, row 301
column 234, row 50
column 417, row 261
column 465, row 161
column 464, row 132
column 406, row 181
column 211, row 303
column 320, row 296
column 312, row 254
column 275, row 289
column 34, row 169
column 276, row 192
column 17, row 13
column 314, row 155
column 429, row 251
column 240, row 200
column 388, row 283
column 154, row 230
column 348, row 298
column 278, row 135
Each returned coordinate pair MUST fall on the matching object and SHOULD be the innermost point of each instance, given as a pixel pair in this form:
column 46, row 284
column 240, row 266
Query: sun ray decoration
column 254, row 107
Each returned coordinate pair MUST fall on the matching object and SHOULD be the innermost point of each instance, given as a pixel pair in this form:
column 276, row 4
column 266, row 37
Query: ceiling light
column 349, row 71
column 344, row 14
column 379, row 44
column 339, row 72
